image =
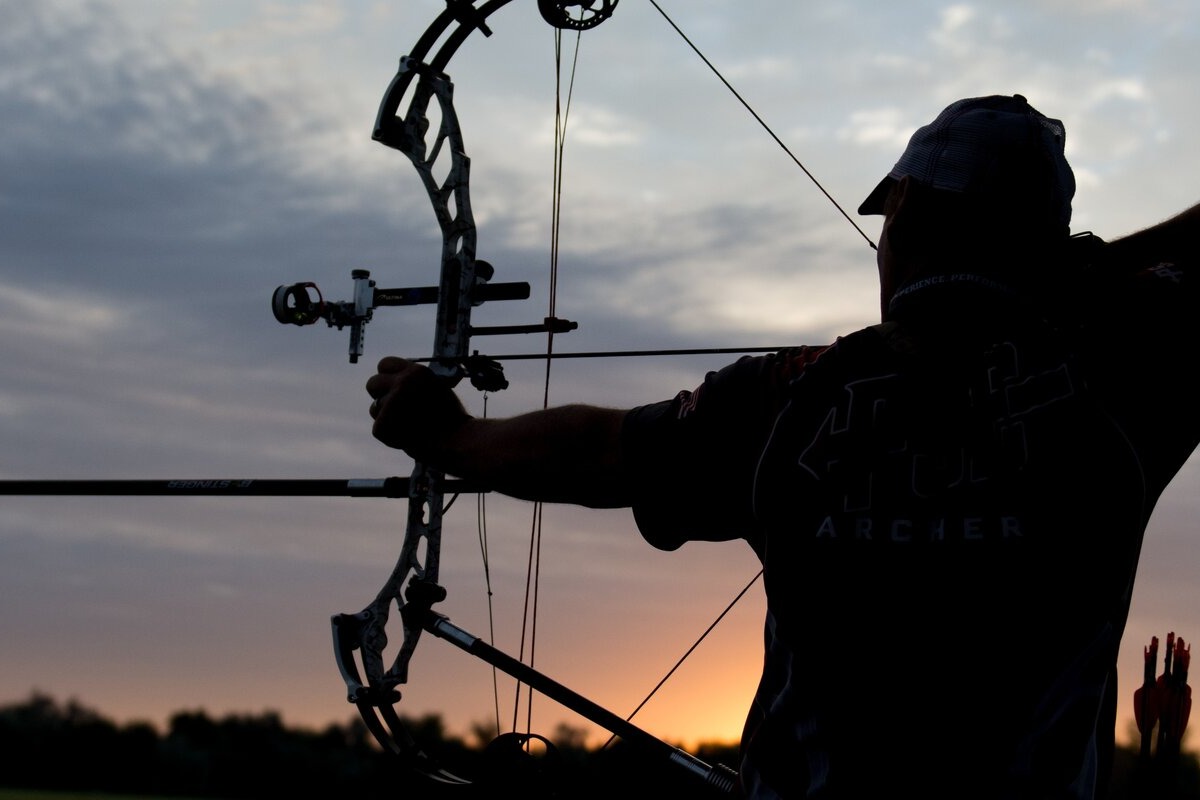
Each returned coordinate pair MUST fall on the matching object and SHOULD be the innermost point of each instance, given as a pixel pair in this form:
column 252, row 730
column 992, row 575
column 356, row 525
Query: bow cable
column 481, row 532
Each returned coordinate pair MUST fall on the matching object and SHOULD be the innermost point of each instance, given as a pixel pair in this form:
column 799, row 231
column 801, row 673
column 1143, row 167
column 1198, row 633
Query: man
column 948, row 506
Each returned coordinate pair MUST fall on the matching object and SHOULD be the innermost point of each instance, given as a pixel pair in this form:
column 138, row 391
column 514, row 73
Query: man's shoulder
column 865, row 345
column 790, row 363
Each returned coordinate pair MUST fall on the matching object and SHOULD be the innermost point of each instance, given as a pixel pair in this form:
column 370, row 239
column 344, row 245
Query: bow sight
column 303, row 304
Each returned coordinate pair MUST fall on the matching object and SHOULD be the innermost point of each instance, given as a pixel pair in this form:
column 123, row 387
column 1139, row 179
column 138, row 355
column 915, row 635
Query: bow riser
column 413, row 586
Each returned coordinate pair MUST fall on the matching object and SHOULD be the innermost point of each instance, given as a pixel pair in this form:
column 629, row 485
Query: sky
column 165, row 166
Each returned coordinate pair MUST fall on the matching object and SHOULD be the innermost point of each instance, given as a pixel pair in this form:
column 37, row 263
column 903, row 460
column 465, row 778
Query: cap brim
column 875, row 200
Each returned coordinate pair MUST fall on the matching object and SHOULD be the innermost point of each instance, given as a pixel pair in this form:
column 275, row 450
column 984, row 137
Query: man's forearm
column 569, row 454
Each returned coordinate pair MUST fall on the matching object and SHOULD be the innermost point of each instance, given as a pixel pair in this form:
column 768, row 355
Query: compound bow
column 413, row 584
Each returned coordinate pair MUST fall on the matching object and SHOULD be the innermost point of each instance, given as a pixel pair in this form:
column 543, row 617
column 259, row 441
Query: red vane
column 1175, row 714
column 1146, row 705
column 1177, row 704
column 1164, row 680
column 1183, row 657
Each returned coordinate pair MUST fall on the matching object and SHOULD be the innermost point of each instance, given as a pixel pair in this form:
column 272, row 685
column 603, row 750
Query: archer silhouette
column 948, row 505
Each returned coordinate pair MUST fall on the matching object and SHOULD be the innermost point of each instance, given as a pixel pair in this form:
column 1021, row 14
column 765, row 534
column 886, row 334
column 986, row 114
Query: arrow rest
column 485, row 374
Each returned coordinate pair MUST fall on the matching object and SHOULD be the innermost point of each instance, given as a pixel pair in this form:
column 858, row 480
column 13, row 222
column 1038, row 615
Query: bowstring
column 764, row 125
column 687, row 654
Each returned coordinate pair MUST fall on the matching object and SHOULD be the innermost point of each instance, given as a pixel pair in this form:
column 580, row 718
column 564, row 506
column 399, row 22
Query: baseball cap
column 987, row 145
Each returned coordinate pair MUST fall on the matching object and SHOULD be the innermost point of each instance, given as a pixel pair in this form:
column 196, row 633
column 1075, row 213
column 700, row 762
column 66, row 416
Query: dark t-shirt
column 949, row 509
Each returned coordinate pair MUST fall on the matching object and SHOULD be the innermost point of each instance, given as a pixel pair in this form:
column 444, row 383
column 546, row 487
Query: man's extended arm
column 1174, row 239
column 568, row 454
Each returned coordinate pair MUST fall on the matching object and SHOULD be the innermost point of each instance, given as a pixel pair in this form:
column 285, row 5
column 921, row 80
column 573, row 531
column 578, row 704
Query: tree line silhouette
column 47, row 745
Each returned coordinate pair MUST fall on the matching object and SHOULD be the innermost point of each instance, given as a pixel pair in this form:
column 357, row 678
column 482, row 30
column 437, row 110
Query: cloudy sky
column 165, row 166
